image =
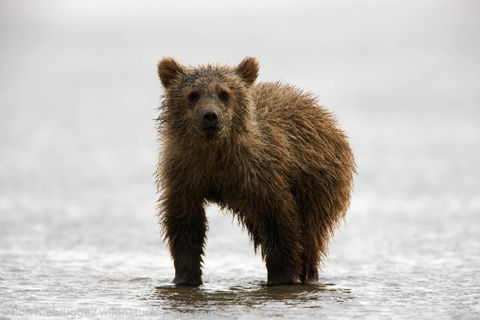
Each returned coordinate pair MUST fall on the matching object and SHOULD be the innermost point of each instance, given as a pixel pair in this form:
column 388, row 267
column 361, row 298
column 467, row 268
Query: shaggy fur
column 276, row 159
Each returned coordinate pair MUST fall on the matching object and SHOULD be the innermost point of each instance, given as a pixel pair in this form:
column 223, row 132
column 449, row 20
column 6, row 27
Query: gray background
column 78, row 93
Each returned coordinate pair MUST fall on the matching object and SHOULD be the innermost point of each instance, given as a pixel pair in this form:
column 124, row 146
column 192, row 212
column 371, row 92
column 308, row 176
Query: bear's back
column 289, row 108
column 291, row 118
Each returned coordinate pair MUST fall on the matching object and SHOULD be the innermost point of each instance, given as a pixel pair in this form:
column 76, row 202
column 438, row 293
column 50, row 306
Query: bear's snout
column 209, row 119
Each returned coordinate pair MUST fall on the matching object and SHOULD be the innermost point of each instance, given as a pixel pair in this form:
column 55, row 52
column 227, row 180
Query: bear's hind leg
column 315, row 230
column 311, row 256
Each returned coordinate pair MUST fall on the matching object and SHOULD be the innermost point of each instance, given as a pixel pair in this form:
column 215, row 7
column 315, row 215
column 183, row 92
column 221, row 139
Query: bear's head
column 206, row 103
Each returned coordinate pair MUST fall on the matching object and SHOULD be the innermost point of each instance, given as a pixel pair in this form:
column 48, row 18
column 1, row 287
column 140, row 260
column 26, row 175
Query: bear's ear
column 168, row 69
column 248, row 69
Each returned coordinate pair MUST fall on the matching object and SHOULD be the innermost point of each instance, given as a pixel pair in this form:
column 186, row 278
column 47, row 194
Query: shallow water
column 78, row 232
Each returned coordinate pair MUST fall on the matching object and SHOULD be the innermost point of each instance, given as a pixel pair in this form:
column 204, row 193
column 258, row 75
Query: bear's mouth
column 210, row 132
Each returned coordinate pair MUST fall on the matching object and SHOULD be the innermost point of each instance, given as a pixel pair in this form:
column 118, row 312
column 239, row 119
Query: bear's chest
column 214, row 192
column 224, row 190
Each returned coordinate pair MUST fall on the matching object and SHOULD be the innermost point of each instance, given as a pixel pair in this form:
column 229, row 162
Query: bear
column 267, row 152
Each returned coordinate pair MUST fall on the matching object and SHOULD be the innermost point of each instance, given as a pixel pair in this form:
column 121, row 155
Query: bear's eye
column 223, row 95
column 193, row 96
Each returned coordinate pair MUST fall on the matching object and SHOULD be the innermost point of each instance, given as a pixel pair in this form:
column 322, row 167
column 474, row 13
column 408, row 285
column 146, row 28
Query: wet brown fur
column 278, row 162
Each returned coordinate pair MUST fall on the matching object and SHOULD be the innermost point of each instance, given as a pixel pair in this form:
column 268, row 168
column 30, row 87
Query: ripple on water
column 250, row 295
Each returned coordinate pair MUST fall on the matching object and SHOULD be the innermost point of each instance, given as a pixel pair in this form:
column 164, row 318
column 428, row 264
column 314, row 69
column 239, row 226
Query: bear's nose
column 210, row 119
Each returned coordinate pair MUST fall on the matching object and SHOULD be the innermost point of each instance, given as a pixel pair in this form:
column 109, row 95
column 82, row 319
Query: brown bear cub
column 267, row 152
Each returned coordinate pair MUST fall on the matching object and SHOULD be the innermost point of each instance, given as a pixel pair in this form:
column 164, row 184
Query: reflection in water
column 253, row 295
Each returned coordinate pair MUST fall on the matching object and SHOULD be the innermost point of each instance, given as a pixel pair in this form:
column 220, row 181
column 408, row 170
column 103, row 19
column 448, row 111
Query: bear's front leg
column 184, row 224
column 277, row 230
column 281, row 250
